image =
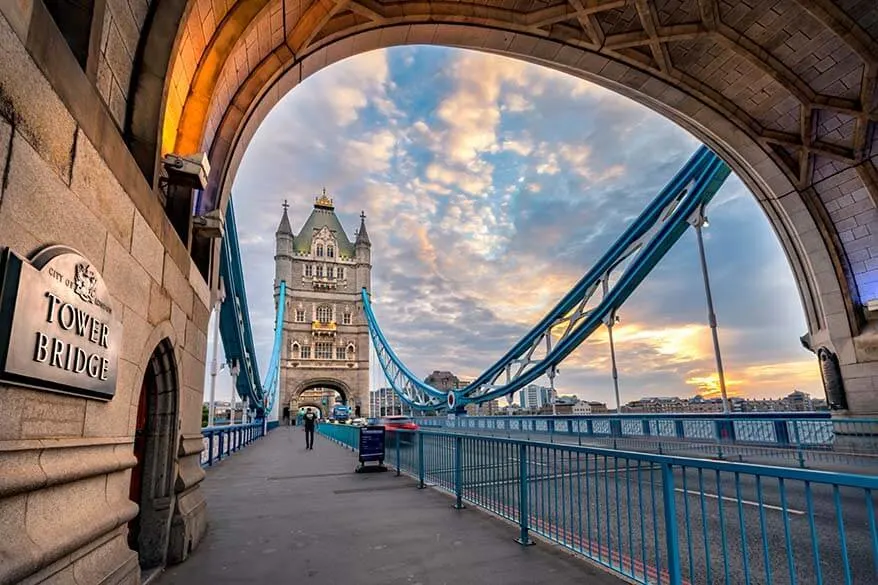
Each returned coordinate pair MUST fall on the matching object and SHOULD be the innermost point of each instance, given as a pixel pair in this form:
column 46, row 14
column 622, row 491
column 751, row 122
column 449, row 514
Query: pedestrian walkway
column 281, row 514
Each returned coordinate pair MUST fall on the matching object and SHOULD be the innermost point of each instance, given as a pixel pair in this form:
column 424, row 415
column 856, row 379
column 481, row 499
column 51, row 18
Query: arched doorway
column 155, row 436
column 321, row 394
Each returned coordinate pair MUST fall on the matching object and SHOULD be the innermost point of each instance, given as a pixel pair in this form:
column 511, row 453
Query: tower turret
column 285, row 242
column 364, row 255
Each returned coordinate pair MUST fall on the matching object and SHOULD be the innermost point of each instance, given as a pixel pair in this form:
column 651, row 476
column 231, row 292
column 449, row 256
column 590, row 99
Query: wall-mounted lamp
column 187, row 171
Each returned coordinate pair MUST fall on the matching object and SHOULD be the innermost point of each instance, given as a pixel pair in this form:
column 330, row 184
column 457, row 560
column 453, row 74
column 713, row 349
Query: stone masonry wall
column 63, row 453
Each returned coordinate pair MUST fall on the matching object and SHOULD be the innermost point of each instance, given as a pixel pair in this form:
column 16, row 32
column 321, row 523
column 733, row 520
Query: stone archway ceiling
column 798, row 75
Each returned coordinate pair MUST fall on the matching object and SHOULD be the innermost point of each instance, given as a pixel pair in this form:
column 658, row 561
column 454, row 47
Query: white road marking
column 745, row 502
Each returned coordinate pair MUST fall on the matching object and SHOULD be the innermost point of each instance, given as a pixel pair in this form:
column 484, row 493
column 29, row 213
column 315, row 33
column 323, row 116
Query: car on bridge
column 402, row 427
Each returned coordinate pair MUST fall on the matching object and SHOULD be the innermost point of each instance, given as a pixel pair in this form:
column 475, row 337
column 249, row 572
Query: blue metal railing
column 221, row 441
column 803, row 438
column 655, row 518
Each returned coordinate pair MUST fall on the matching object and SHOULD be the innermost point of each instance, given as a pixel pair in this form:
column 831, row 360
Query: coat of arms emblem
column 85, row 282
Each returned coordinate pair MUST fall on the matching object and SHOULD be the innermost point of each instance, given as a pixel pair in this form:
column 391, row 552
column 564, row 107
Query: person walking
column 310, row 422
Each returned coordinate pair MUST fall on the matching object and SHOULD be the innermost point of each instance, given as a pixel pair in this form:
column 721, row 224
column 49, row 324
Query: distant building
column 535, row 397
column 582, row 407
column 384, row 402
column 489, row 408
column 443, row 380
column 796, row 401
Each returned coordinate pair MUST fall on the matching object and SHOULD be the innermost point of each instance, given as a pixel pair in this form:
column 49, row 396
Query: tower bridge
column 325, row 339
column 122, row 127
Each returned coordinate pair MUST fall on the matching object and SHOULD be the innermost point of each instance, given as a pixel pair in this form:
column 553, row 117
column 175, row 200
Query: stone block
column 21, row 471
column 18, row 14
column 110, row 419
column 188, row 525
column 178, row 323
column 40, row 203
column 191, row 373
column 14, row 402
column 177, row 285
column 20, row 556
column 112, row 561
column 40, row 116
column 86, row 515
column 136, row 333
column 147, row 248
column 199, row 285
column 18, row 239
column 159, row 304
column 196, row 339
column 127, row 281
column 49, row 415
column 99, row 190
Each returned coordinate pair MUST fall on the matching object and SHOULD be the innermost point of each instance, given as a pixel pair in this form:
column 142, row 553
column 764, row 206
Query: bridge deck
column 279, row 513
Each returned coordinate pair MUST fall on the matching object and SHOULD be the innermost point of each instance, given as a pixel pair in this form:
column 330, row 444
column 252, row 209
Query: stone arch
column 339, row 386
column 804, row 143
column 804, row 228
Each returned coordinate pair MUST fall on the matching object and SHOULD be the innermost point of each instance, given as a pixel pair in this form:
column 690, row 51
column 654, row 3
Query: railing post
column 398, row 441
column 523, row 506
column 219, row 454
column 421, row 470
column 210, row 449
column 681, row 431
column 781, row 432
column 458, row 472
column 675, row 573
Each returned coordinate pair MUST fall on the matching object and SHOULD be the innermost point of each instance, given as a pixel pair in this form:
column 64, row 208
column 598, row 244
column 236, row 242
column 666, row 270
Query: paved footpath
column 281, row 514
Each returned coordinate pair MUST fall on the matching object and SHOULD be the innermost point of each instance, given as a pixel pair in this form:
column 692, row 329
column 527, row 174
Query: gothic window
column 339, row 353
column 306, row 353
column 320, row 272
column 309, row 270
column 300, row 315
column 320, row 250
column 340, row 273
column 295, row 350
column 323, row 350
column 324, row 313
column 330, row 251
column 346, row 318
column 329, row 271
column 350, row 352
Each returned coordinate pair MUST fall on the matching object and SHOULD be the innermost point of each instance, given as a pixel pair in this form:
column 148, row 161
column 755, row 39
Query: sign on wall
column 59, row 330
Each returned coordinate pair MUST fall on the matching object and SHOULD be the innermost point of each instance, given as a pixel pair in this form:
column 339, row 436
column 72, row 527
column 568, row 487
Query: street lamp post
column 214, row 369
column 698, row 221
column 552, row 373
column 611, row 320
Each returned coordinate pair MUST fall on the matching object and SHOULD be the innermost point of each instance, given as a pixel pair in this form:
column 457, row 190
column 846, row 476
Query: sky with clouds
column 490, row 186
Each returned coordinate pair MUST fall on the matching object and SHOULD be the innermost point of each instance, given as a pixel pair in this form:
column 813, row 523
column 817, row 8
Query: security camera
column 209, row 225
column 187, row 171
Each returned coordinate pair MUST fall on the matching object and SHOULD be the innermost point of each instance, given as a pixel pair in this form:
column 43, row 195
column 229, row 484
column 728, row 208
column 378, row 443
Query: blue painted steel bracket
column 637, row 251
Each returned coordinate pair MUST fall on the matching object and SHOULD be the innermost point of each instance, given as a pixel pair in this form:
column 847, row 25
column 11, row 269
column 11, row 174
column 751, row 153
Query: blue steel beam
column 235, row 329
column 270, row 386
column 637, row 251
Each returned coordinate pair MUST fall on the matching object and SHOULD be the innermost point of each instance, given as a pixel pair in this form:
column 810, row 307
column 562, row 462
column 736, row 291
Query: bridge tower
column 325, row 336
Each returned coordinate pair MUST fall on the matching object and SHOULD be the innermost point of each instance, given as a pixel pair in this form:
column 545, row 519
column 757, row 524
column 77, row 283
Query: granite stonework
column 67, row 461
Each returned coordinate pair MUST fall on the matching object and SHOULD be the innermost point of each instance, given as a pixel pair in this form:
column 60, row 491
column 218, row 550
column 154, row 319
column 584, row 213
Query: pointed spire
column 362, row 234
column 284, row 227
